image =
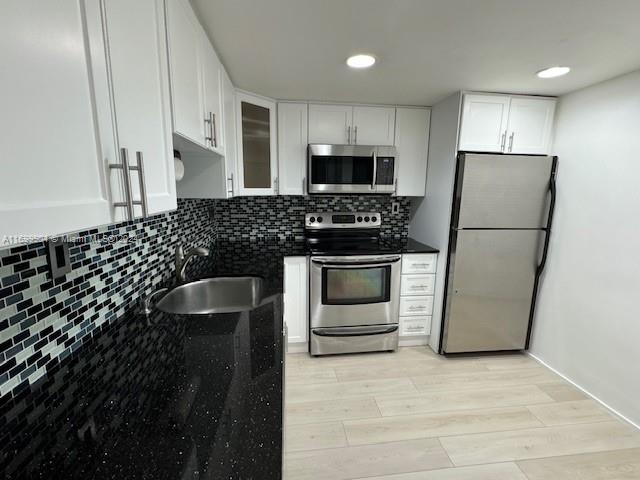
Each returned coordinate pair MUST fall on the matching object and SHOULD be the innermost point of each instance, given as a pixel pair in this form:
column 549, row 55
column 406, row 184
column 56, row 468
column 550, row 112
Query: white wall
column 431, row 215
column 587, row 324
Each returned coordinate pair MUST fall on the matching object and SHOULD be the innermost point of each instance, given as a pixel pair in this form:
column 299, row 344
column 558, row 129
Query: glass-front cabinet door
column 257, row 161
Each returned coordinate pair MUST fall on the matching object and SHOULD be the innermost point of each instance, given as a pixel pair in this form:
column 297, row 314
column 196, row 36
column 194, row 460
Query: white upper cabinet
column 292, row 147
column 54, row 175
column 330, row 124
column 412, row 144
column 140, row 95
column 184, row 41
column 230, row 142
column 256, row 139
column 373, row 125
column 506, row 124
column 484, row 122
column 212, row 95
column 530, row 125
column 349, row 125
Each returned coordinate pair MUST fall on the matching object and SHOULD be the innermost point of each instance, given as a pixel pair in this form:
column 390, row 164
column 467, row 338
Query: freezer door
column 502, row 191
column 489, row 289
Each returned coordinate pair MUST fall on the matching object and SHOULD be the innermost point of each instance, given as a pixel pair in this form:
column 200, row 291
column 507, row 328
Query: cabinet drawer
column 412, row 306
column 417, row 284
column 419, row 263
column 415, row 325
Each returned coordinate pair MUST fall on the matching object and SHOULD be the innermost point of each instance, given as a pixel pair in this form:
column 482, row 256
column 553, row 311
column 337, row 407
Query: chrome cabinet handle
column 230, row 178
column 511, row 141
column 304, row 185
column 141, row 182
column 355, row 135
column 503, row 141
column 275, row 185
column 207, row 121
column 124, row 166
column 214, row 134
column 349, row 135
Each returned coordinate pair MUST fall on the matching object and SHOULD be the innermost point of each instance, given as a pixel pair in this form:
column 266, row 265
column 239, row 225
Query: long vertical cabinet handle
column 503, row 141
column 304, row 185
column 124, row 166
column 212, row 123
column 349, row 135
column 230, row 178
column 141, row 181
column 207, row 121
column 355, row 135
column 511, row 141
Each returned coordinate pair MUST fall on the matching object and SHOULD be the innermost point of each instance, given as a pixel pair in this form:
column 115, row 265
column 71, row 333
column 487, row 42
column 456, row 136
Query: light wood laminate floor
column 415, row 415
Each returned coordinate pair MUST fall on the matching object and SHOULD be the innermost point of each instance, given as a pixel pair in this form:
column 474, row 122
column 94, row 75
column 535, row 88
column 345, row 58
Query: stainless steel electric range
column 354, row 284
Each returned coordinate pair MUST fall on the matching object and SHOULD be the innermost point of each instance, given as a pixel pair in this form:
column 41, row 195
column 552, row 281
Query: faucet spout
column 182, row 259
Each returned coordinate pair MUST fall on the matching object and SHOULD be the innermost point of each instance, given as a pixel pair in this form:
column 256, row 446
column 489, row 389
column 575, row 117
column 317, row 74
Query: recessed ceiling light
column 361, row 61
column 553, row 72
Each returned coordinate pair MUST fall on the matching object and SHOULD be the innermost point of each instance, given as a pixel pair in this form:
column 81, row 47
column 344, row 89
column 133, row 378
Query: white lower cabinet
column 296, row 302
column 416, row 294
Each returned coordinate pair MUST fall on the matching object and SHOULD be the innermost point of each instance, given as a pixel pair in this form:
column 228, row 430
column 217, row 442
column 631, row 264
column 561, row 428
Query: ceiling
column 426, row 49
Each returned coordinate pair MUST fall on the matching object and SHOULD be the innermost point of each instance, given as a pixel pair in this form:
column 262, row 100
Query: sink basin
column 213, row 295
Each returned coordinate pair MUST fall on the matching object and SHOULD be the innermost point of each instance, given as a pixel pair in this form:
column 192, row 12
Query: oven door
column 354, row 290
column 342, row 168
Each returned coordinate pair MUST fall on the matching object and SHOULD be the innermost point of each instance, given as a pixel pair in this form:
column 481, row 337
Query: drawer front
column 417, row 284
column 415, row 325
column 419, row 263
column 413, row 306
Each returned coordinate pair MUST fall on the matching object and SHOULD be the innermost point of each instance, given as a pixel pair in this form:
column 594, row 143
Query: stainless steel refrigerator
column 500, row 225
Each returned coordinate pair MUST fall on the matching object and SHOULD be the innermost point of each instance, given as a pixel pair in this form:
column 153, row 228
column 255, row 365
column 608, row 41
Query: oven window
column 353, row 286
column 341, row 170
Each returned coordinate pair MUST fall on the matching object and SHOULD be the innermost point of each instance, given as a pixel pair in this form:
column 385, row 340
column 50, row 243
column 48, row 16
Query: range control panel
column 320, row 220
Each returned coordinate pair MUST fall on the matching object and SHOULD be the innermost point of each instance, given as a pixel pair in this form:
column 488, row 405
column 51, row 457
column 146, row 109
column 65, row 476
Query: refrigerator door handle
column 547, row 230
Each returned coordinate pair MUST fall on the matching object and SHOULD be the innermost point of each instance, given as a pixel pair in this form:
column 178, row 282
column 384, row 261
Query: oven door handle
column 339, row 261
column 354, row 331
column 356, row 265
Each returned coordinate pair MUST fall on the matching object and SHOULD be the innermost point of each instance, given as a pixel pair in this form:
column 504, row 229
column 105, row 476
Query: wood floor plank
column 366, row 461
column 314, row 436
column 389, row 429
column 447, row 400
column 614, row 465
column 405, row 368
column 307, row 393
column 496, row 471
column 540, row 442
column 567, row 413
column 310, row 375
column 489, row 379
column 562, row 392
column 330, row 410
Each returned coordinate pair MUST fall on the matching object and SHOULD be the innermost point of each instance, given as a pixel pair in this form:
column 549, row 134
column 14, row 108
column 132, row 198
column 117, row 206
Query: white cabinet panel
column 419, row 263
column 484, row 122
column 186, row 73
column 412, row 306
column 330, row 124
column 139, row 84
column 418, row 325
column 296, row 293
column 229, row 136
column 212, row 95
column 417, row 284
column 530, row 125
column 292, row 147
column 373, row 125
column 412, row 143
column 54, row 176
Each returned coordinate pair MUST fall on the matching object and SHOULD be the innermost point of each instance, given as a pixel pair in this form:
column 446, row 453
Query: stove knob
column 366, row 219
column 359, row 219
column 312, row 219
column 320, row 219
column 374, row 219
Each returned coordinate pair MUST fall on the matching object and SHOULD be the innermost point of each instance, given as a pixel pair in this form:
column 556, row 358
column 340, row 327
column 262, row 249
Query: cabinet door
column 296, row 309
column 412, row 143
column 530, row 124
column 484, row 123
column 54, row 174
column 331, row 124
column 373, row 125
column 212, row 95
column 139, row 82
column 292, row 147
column 229, row 120
column 185, row 68
column 256, row 131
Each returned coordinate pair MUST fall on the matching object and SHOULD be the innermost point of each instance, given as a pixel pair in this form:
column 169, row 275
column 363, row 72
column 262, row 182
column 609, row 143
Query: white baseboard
column 297, row 347
column 605, row 405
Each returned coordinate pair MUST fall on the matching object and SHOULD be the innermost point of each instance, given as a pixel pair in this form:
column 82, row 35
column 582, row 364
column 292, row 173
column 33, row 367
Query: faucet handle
column 146, row 301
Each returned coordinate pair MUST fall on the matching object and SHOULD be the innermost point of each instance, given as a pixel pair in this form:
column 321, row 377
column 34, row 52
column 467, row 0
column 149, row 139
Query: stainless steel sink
column 213, row 295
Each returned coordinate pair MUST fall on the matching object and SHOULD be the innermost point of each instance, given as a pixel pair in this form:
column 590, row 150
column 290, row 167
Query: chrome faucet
column 182, row 259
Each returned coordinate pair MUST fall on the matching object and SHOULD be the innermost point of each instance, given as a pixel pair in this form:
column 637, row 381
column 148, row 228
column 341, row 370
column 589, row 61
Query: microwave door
column 341, row 169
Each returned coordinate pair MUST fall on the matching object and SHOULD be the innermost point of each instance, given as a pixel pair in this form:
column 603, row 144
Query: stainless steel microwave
column 352, row 169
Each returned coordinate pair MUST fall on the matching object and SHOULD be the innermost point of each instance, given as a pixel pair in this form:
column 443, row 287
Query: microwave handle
column 375, row 170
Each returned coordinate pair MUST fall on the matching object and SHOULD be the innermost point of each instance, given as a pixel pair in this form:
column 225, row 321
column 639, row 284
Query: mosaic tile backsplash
column 42, row 321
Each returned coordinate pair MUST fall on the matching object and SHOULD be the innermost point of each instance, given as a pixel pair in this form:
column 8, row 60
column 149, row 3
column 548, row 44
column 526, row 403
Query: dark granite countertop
column 409, row 245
